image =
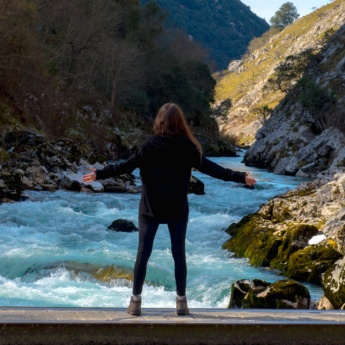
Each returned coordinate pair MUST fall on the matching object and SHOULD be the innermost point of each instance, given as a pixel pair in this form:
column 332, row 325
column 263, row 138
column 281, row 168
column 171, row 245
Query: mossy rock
column 240, row 289
column 251, row 238
column 257, row 239
column 109, row 273
column 310, row 263
column 101, row 273
column 294, row 238
column 304, row 232
column 282, row 294
column 287, row 294
column 333, row 284
column 281, row 246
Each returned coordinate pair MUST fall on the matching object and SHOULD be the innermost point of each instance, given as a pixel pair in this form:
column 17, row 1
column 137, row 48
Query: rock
column 11, row 186
column 104, row 274
column 36, row 174
column 282, row 294
column 112, row 185
column 285, row 149
column 48, row 187
column 324, row 304
column 235, row 65
column 122, row 225
column 278, row 235
column 71, row 181
column 333, row 284
column 310, row 263
column 22, row 139
column 240, row 289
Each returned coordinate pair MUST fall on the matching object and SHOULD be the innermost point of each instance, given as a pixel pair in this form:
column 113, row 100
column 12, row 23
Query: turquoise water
column 51, row 244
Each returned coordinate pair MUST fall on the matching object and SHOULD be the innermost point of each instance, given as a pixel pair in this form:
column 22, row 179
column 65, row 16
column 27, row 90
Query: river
column 53, row 245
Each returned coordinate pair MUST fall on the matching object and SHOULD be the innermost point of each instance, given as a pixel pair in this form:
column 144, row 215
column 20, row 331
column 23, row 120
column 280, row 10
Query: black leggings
column 147, row 233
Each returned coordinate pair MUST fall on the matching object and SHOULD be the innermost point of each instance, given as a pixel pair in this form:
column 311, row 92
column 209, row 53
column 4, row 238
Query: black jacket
column 165, row 164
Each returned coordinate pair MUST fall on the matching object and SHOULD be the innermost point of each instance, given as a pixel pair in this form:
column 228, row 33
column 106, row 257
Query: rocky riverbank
column 29, row 161
column 301, row 235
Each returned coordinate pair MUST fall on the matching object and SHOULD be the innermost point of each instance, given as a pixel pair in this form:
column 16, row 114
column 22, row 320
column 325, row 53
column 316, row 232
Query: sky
column 267, row 8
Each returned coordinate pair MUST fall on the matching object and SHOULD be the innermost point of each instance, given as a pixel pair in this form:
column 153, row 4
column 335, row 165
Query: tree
column 285, row 16
column 20, row 54
column 290, row 70
column 263, row 113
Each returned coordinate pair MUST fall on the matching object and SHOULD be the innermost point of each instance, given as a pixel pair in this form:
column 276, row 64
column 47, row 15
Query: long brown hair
column 170, row 120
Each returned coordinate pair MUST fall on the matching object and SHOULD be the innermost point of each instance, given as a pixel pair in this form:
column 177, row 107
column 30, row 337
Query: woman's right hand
column 88, row 178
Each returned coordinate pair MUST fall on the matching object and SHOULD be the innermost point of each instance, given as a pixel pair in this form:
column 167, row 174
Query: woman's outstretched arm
column 112, row 170
column 212, row 169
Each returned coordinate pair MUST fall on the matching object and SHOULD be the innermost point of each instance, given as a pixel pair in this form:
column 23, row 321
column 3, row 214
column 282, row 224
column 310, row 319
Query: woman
column 165, row 161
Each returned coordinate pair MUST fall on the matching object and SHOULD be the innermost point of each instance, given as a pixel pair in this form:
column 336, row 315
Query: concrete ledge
column 162, row 326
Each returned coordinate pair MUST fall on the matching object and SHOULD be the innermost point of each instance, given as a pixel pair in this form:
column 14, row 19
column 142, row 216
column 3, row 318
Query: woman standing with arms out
column 165, row 161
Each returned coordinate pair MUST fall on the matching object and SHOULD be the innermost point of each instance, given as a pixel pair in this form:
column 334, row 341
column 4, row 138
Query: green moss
column 304, row 231
column 103, row 274
column 4, row 156
column 277, row 296
column 256, row 239
column 310, row 263
column 250, row 239
column 108, row 273
column 333, row 284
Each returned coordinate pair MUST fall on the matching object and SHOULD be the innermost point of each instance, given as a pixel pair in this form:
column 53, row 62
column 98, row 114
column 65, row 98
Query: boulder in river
column 122, row 225
column 282, row 294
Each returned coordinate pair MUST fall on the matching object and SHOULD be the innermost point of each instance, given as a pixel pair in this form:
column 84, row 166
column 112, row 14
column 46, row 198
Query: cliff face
column 246, row 84
column 305, row 136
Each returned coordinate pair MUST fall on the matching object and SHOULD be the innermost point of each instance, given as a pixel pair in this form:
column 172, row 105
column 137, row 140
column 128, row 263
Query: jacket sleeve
column 212, row 169
column 125, row 167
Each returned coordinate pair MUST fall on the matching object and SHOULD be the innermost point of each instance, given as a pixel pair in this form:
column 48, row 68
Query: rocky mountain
column 224, row 27
column 305, row 135
column 246, row 89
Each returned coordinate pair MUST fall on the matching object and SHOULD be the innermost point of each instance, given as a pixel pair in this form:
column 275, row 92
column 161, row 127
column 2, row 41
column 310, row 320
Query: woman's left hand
column 249, row 180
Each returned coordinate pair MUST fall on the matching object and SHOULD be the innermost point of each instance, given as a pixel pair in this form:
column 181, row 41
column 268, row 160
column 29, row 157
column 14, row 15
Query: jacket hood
column 165, row 142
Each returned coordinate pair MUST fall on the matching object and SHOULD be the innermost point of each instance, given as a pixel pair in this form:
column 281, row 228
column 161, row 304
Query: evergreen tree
column 285, row 16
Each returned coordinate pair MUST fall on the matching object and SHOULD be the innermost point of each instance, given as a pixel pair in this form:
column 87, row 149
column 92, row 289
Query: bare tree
column 20, row 54
column 121, row 68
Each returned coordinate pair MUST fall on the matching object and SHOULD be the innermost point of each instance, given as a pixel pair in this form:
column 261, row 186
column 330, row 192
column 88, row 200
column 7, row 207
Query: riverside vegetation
column 49, row 100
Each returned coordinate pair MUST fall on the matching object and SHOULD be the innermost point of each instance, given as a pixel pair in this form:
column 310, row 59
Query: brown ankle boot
column 181, row 305
column 134, row 307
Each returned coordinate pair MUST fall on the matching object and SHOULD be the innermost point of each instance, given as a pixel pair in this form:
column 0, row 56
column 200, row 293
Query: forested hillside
column 224, row 27
column 83, row 69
